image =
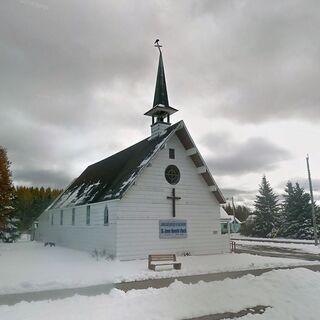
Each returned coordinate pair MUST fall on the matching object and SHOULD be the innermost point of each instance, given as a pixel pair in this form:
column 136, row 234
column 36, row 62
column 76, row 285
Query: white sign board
column 172, row 229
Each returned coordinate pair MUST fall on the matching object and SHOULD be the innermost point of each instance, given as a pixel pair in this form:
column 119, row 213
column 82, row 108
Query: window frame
column 88, row 216
column 73, row 216
column 172, row 153
column 168, row 173
column 106, row 216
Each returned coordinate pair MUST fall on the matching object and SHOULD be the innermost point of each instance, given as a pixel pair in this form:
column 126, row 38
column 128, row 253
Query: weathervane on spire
column 156, row 44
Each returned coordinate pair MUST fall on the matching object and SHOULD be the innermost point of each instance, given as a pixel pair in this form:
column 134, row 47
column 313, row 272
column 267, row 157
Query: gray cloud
column 77, row 76
column 231, row 192
column 46, row 178
column 258, row 60
column 303, row 182
column 254, row 155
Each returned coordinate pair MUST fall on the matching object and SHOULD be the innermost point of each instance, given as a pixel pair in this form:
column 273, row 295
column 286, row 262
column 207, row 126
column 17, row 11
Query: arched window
column 106, row 216
column 88, row 216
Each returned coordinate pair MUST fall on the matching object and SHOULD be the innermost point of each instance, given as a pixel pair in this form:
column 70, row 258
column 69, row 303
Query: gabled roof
column 111, row 178
column 227, row 217
column 234, row 220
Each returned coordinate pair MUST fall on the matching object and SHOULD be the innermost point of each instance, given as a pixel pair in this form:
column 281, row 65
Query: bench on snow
column 164, row 260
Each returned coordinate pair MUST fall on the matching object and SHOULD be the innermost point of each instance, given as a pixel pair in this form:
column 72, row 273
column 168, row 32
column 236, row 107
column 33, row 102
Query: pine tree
column 30, row 202
column 8, row 222
column 297, row 213
column 241, row 212
column 266, row 210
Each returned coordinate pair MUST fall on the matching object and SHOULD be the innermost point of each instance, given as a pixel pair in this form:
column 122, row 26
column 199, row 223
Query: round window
column 172, row 174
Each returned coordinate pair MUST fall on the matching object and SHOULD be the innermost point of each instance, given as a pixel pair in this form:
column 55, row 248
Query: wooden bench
column 164, row 259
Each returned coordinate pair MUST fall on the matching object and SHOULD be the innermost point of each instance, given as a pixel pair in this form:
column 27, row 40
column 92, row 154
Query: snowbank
column 29, row 266
column 291, row 294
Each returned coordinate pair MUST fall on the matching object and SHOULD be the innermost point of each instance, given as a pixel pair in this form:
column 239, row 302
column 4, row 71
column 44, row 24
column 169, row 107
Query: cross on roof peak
column 156, row 44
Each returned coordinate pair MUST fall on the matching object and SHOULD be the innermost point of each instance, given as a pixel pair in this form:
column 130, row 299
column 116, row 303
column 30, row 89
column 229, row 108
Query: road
column 232, row 315
column 271, row 251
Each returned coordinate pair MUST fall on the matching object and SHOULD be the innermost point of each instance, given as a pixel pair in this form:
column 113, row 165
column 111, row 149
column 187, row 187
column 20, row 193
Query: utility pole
column 312, row 205
column 234, row 211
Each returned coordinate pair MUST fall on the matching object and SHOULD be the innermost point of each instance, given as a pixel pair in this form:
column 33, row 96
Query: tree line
column 290, row 218
column 19, row 206
column 30, row 202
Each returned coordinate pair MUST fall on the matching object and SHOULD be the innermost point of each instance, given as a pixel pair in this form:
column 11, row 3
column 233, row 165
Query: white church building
column 157, row 196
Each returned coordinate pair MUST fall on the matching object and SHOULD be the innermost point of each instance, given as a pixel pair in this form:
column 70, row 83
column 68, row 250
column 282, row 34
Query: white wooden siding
column 133, row 230
column 80, row 236
column 146, row 203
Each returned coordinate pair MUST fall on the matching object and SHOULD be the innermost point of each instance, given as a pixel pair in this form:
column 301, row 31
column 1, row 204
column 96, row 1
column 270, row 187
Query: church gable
column 158, row 182
column 153, row 202
column 188, row 148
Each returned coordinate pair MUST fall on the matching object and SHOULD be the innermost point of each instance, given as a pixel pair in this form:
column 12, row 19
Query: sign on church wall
column 172, row 229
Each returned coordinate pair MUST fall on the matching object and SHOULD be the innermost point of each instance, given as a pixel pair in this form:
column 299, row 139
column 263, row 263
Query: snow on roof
column 224, row 215
column 110, row 178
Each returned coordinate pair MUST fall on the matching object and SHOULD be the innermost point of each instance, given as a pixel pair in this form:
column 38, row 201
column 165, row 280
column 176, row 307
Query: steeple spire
column 161, row 110
column 160, row 93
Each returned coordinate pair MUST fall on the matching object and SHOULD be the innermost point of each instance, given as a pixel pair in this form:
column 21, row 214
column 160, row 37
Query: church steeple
column 161, row 110
column 160, row 93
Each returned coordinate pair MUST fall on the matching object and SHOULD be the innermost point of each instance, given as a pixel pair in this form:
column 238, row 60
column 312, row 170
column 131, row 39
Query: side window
column 73, row 216
column 171, row 154
column 224, row 228
column 61, row 217
column 106, row 216
column 52, row 219
column 88, row 216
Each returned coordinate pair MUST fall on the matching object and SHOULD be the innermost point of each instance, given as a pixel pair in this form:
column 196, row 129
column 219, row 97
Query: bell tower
column 161, row 110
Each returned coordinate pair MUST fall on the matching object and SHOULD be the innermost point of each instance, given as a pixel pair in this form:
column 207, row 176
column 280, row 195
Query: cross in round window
column 172, row 174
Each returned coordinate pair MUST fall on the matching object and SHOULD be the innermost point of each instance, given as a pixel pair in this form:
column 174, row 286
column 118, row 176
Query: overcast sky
column 77, row 76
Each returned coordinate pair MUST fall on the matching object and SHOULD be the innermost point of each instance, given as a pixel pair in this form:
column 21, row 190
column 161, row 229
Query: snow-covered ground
column 29, row 266
column 307, row 247
column 290, row 294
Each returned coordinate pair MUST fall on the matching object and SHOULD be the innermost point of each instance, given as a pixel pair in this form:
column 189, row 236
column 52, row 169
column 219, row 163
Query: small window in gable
column 73, row 216
column 88, row 216
column 171, row 153
column 106, row 216
column 61, row 217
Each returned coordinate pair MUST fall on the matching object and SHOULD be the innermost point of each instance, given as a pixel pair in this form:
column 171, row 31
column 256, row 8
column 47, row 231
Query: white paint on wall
column 133, row 229
column 145, row 204
column 80, row 236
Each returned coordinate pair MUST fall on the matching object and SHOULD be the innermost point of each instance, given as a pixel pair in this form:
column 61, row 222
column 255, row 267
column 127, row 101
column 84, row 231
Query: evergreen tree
column 266, row 210
column 30, row 202
column 8, row 221
column 241, row 212
column 297, row 212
